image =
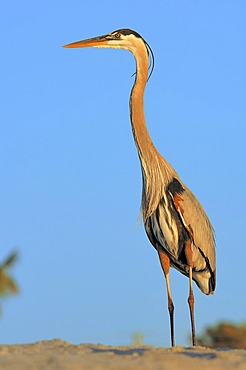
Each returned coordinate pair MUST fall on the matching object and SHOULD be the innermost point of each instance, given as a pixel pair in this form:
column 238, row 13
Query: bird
column 175, row 221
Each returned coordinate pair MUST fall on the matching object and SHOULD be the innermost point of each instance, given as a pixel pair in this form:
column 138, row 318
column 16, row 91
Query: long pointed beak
column 95, row 41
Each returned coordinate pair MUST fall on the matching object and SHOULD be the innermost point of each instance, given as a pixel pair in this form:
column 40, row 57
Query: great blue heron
column 174, row 220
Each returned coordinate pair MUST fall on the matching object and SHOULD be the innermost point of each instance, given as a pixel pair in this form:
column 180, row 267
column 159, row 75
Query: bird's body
column 174, row 220
column 169, row 228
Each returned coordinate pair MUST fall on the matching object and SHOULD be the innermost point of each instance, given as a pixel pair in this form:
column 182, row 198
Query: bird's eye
column 117, row 35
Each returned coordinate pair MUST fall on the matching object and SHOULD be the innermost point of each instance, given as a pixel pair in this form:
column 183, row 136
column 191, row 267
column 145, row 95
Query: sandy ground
column 59, row 355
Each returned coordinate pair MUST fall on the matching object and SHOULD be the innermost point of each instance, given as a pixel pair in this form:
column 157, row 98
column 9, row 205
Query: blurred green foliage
column 224, row 335
column 7, row 283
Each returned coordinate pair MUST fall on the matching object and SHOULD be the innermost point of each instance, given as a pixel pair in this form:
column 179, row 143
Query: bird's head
column 120, row 39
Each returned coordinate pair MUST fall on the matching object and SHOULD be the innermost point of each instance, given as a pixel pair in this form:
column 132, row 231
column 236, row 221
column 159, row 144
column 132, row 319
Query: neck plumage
column 155, row 175
column 145, row 147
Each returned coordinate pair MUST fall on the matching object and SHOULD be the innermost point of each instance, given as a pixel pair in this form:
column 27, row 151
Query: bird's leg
column 165, row 264
column 189, row 257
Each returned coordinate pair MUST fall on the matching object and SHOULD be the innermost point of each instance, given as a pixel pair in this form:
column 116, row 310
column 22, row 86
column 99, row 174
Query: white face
column 117, row 40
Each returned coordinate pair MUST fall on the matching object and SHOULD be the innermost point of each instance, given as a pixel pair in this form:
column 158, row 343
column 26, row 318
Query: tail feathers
column 205, row 280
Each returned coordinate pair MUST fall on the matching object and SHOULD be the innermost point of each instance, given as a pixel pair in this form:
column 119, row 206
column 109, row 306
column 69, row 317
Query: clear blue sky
column 70, row 185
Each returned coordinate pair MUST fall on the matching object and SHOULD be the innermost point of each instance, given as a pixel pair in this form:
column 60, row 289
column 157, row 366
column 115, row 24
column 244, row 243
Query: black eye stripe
column 127, row 31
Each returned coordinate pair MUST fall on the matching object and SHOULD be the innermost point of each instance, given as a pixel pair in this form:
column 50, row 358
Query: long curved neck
column 156, row 170
column 141, row 136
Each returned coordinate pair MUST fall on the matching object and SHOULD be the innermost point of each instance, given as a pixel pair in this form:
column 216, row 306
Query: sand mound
column 59, row 355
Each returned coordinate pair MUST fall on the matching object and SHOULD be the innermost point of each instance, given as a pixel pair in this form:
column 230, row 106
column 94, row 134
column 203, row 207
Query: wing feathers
column 178, row 218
